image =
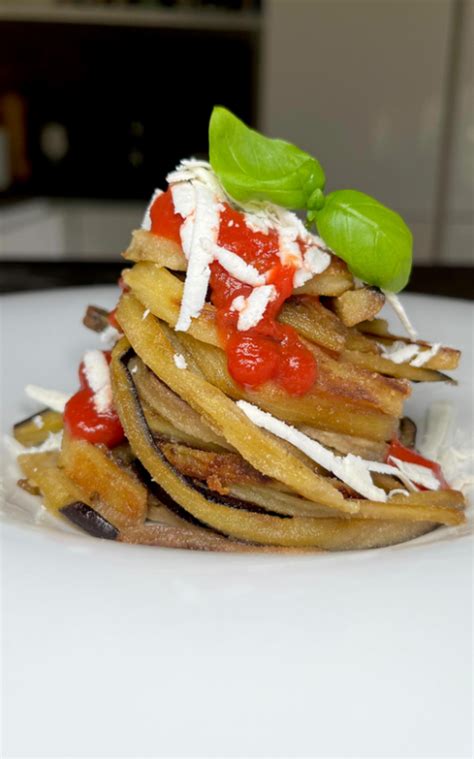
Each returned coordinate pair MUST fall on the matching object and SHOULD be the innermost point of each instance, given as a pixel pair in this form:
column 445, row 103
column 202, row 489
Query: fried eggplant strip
column 170, row 406
column 99, row 476
column 442, row 508
column 158, row 291
column 318, row 409
column 258, row 448
column 218, row 469
column 146, row 246
column 333, row 281
column 57, row 488
column 222, row 470
column 355, row 306
column 376, row 363
column 314, row 322
column 332, row 534
column 36, row 429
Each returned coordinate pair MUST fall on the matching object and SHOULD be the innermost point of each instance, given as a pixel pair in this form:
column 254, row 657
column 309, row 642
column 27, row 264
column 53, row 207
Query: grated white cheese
column 351, row 469
column 438, row 425
column 50, row 398
column 197, row 197
column 396, row 304
column 421, row 475
column 109, row 336
column 146, row 223
column 38, row 421
column 398, row 352
column 252, row 309
column 145, row 314
column 180, row 361
column 452, row 450
column 234, row 264
column 398, row 491
column 424, row 356
column 202, row 223
column 184, row 199
column 196, row 171
column 315, row 261
column 97, row 374
column 291, row 234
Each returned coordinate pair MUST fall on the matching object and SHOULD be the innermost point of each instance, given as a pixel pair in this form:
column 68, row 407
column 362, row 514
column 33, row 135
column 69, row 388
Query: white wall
column 361, row 84
column 458, row 239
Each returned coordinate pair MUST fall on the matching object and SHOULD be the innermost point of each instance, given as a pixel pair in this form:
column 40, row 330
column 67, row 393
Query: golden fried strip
column 332, row 534
column 57, row 489
column 172, row 407
column 368, row 449
column 98, row 475
column 445, row 359
column 196, row 539
column 319, row 409
column 355, row 306
column 377, row 330
column 443, row 507
column 258, row 448
column 314, row 322
column 317, row 323
column 217, row 469
column 281, row 502
column 146, row 246
column 376, row 363
column 160, row 292
column 30, row 432
column 335, row 280
column 164, row 430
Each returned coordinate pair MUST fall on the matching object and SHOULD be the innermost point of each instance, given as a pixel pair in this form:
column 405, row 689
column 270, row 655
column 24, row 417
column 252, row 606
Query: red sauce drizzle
column 82, row 420
column 268, row 351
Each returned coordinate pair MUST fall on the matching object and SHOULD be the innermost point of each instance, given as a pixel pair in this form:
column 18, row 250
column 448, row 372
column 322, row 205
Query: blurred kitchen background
column 99, row 100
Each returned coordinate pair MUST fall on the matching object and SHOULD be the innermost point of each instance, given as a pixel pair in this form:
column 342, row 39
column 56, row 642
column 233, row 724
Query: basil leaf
column 374, row 241
column 253, row 167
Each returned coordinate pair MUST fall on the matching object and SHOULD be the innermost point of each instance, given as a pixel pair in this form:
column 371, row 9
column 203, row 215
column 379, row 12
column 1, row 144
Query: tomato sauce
column 82, row 420
column 269, row 350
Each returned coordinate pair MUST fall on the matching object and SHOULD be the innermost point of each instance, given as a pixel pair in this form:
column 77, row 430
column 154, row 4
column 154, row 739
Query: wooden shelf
column 166, row 18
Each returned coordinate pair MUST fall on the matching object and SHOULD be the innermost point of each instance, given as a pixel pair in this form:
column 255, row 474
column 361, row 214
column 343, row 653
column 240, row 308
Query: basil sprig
column 372, row 239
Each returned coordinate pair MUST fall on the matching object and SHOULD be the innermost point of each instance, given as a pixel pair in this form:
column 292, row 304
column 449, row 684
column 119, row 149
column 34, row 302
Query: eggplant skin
column 89, row 520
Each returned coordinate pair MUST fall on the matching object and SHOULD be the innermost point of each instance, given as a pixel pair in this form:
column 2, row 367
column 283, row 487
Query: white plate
column 121, row 651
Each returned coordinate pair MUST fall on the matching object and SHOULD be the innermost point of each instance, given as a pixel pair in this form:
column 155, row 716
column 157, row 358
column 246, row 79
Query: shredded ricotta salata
column 180, row 361
column 146, row 223
column 351, row 469
column 394, row 301
column 252, row 309
column 198, row 197
column 53, row 399
column 109, row 336
column 416, row 355
column 97, row 374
